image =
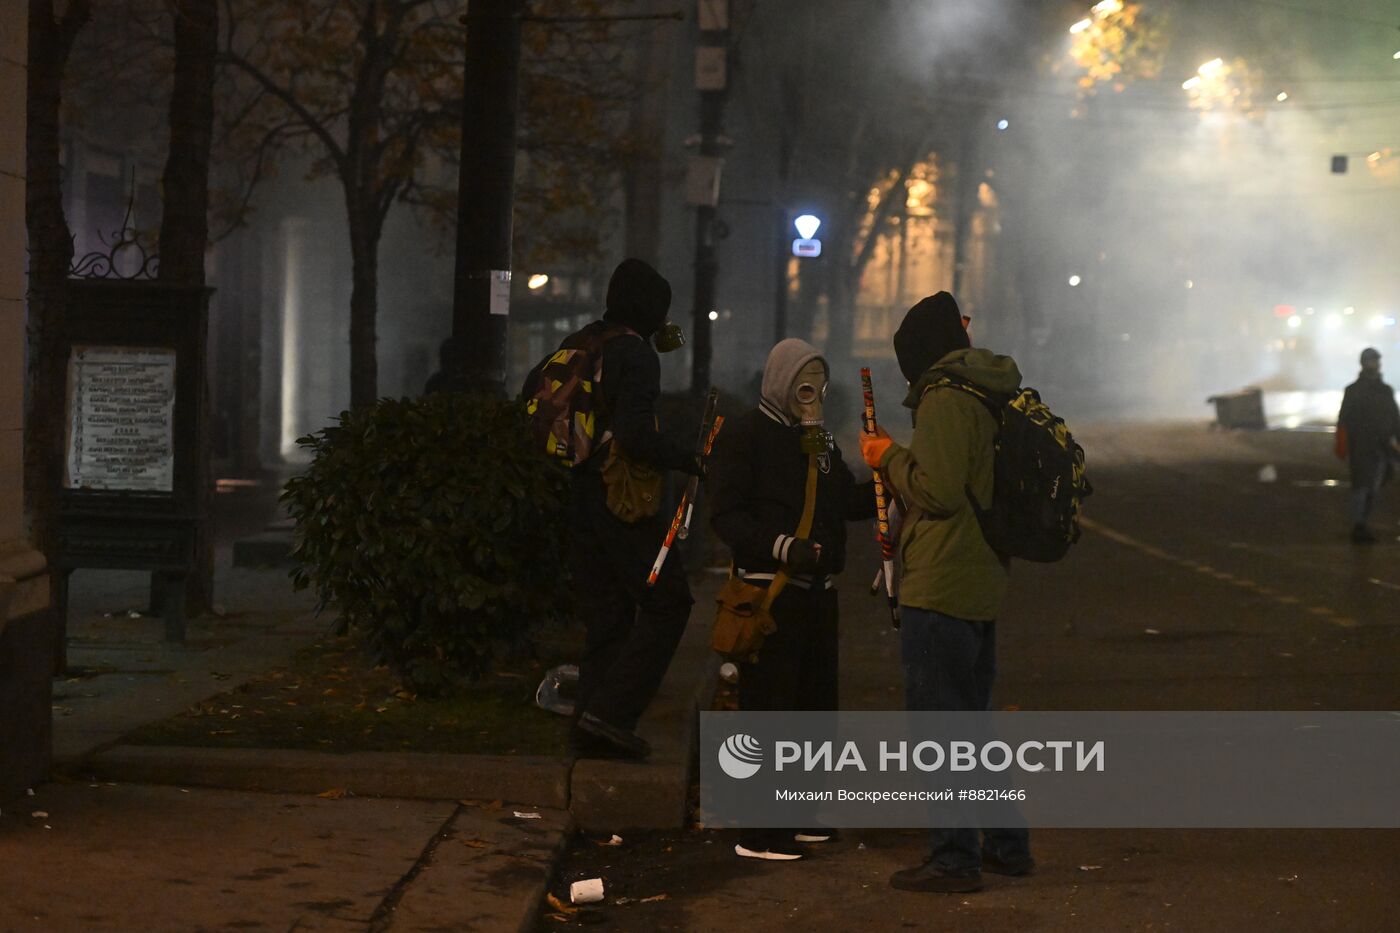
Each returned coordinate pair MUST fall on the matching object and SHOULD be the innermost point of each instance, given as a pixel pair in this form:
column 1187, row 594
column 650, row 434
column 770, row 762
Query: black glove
column 803, row 555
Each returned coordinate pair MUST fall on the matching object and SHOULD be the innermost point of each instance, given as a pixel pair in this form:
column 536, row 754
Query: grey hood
column 784, row 362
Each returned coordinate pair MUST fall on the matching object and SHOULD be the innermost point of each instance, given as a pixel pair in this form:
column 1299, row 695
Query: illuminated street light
column 1282, row 96
column 1396, row 56
column 807, row 225
column 1074, row 281
column 1191, row 82
column 1295, row 322
column 714, row 315
column 1080, row 26
column 1214, row 65
column 1333, row 321
column 1003, row 124
column 537, row 282
column 1105, row 7
column 1348, row 311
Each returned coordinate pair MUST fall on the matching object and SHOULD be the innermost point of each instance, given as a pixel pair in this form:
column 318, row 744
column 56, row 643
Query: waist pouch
column 633, row 489
column 744, row 617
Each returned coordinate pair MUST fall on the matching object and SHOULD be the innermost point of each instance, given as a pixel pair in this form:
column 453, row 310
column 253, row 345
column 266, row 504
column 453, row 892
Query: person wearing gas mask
column 631, row 629
column 758, row 488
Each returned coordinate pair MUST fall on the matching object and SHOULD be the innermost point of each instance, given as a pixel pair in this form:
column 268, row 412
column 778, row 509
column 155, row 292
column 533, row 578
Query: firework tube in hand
column 680, row 523
column 882, row 502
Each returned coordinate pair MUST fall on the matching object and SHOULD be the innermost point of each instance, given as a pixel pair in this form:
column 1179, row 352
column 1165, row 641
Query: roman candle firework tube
column 882, row 506
column 680, row 523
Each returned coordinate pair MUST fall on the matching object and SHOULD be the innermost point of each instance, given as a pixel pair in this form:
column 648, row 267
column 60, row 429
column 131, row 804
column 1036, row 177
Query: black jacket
column 756, row 483
column 630, row 388
column 1372, row 420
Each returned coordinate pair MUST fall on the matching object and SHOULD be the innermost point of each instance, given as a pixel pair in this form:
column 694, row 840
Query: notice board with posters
column 130, row 494
column 121, row 419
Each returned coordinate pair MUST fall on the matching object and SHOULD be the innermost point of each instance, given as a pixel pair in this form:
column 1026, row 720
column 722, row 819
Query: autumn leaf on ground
column 559, row 905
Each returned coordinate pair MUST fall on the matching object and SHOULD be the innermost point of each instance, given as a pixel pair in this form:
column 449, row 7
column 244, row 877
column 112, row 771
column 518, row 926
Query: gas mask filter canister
column 668, row 337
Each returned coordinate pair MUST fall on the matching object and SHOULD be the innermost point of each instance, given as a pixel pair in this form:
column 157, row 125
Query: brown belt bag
column 744, row 616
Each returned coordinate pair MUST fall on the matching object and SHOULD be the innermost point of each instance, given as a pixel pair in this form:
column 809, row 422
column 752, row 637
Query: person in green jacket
column 953, row 583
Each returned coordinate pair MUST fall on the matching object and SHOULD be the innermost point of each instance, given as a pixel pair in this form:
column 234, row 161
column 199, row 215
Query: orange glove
column 873, row 446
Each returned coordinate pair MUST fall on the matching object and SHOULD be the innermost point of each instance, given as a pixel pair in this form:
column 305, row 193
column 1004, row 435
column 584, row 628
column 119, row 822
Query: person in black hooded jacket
column 757, row 489
column 631, row 629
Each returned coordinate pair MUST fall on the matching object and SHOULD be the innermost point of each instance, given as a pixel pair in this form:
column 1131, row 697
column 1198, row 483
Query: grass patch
column 331, row 697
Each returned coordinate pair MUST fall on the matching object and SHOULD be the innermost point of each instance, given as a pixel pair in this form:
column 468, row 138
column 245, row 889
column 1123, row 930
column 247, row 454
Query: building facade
column 25, row 623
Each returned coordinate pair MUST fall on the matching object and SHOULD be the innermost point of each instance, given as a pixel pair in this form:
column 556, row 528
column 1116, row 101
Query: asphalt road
column 1198, row 586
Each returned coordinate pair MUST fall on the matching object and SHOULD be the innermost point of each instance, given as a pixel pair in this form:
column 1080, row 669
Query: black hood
column 931, row 330
column 638, row 296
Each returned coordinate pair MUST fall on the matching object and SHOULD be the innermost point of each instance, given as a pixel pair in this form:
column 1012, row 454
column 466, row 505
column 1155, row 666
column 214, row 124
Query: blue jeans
column 1364, row 495
column 950, row 665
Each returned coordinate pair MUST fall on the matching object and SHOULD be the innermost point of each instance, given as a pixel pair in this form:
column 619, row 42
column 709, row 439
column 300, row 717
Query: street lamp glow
column 714, row 315
column 1074, row 281
column 1190, row 82
column 1105, row 7
column 537, row 281
column 1396, row 56
column 1215, row 64
column 1282, row 96
column 1295, row 322
column 1333, row 321
column 1080, row 26
column 1003, row 124
column 807, row 226
column 1348, row 311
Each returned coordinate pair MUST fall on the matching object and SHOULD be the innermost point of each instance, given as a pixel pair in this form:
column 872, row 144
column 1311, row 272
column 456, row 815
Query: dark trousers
column 950, row 664
column 631, row 629
column 797, row 669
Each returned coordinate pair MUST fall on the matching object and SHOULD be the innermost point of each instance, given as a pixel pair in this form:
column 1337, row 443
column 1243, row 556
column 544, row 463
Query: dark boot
column 932, row 878
column 624, row 741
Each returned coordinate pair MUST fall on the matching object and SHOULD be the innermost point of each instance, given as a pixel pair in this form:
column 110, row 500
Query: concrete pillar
column 26, row 628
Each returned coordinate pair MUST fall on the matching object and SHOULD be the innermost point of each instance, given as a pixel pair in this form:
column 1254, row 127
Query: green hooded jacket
column 947, row 565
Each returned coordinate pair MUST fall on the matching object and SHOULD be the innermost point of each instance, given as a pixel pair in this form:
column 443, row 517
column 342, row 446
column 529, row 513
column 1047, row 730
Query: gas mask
column 805, row 406
column 668, row 337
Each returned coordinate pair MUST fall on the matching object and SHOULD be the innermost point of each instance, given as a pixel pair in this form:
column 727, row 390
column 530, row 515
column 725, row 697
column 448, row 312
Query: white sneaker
column 773, row 855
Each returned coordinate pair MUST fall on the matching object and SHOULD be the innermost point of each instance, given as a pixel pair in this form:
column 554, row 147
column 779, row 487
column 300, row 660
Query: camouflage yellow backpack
column 561, row 394
column 1039, row 481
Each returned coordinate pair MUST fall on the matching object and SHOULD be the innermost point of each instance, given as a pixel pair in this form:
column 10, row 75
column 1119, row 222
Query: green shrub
column 434, row 529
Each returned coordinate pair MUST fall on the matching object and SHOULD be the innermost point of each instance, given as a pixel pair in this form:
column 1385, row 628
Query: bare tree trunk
column 642, row 182
column 184, row 233
column 364, row 305
column 50, row 254
column 184, row 228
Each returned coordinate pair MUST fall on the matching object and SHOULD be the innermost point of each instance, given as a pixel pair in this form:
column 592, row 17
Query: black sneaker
column 624, row 740
column 1360, row 534
column 929, row 877
column 808, row 836
column 1016, row 867
column 774, row 850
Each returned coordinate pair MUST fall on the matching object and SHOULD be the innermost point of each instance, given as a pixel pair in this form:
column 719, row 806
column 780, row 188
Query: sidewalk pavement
column 250, row 839
column 122, row 674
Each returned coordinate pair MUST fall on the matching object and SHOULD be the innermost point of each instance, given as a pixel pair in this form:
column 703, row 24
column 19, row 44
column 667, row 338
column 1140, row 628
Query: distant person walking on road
column 1370, row 427
column 773, row 466
column 953, row 583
